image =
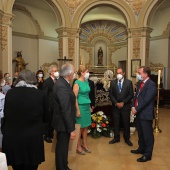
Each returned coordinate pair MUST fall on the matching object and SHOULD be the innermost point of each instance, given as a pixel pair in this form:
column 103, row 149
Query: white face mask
column 139, row 77
column 56, row 74
column 86, row 76
column 3, row 83
column 119, row 76
column 40, row 75
column 74, row 76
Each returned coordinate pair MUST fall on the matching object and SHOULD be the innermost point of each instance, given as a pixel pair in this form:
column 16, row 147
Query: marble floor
column 118, row 156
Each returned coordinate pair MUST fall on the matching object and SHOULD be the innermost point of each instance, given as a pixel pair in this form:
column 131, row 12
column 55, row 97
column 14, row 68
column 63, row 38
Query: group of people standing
column 59, row 106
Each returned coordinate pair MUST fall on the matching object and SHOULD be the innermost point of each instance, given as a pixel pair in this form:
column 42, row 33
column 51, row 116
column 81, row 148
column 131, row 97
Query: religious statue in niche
column 100, row 56
column 20, row 63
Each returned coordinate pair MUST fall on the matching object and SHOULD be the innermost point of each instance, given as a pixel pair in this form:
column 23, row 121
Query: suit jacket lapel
column 145, row 85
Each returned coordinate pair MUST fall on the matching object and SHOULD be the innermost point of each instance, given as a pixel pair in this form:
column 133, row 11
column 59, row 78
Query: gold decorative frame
column 135, row 64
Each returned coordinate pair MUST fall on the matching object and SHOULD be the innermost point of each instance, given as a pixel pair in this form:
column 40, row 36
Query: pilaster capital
column 68, row 32
column 6, row 19
column 139, row 32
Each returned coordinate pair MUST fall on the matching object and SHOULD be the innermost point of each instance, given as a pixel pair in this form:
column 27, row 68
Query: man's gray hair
column 50, row 69
column 66, row 70
column 27, row 76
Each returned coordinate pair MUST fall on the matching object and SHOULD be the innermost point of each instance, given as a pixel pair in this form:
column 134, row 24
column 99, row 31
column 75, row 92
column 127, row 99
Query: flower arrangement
column 100, row 125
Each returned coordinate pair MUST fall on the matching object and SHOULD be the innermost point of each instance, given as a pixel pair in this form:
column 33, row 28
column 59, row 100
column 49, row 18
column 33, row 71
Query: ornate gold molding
column 136, row 47
column 3, row 36
column 89, row 51
column 136, row 5
column 167, row 30
column 112, row 50
column 72, row 5
column 71, row 44
column 147, row 47
column 24, row 10
column 60, row 47
column 156, row 66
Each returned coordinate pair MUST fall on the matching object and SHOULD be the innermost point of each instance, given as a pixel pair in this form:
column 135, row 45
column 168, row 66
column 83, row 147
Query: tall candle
column 159, row 76
column 114, row 69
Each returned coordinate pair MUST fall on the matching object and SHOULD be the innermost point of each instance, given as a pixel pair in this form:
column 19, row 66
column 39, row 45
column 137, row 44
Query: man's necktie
column 120, row 86
column 140, row 88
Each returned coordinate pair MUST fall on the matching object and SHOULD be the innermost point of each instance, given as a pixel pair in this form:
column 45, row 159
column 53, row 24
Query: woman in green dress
column 83, row 116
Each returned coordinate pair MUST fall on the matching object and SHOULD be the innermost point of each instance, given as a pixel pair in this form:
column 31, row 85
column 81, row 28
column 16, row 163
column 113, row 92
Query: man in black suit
column 121, row 94
column 92, row 94
column 143, row 107
column 64, row 115
column 47, row 90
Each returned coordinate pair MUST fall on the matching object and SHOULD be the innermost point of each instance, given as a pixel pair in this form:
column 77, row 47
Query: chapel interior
column 103, row 35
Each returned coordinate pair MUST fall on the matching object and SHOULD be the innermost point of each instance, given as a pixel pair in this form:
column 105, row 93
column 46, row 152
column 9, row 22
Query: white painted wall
column 48, row 52
column 160, row 21
column 119, row 55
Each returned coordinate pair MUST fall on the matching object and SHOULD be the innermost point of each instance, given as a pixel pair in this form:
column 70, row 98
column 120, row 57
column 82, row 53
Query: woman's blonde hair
column 82, row 69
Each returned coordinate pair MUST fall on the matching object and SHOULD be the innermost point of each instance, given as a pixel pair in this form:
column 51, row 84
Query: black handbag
column 2, row 124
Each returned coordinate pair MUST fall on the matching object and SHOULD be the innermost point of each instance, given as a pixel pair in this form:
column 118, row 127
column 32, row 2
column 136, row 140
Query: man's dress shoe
column 47, row 139
column 114, row 141
column 143, row 159
column 137, row 151
column 129, row 142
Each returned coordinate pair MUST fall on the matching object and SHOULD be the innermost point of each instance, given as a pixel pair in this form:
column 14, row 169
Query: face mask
column 9, row 78
column 86, row 76
column 40, row 75
column 2, row 83
column 139, row 77
column 119, row 76
column 74, row 76
column 56, row 74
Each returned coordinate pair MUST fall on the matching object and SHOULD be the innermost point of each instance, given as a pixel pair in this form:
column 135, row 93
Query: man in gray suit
column 121, row 94
column 64, row 115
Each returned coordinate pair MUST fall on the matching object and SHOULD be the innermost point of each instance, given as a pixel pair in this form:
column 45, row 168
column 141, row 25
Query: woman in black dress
column 24, row 112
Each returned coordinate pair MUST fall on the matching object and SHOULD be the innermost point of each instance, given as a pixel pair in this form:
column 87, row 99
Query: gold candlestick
column 156, row 128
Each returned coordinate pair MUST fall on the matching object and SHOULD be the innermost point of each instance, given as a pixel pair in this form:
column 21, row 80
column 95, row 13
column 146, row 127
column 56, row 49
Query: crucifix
column 65, row 59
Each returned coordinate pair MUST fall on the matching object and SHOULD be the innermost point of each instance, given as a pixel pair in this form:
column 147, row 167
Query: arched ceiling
column 104, row 13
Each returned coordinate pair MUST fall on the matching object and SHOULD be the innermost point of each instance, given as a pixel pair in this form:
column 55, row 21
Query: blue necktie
column 120, row 86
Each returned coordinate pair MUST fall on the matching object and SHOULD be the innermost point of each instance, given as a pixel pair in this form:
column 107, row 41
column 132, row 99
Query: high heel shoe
column 81, row 153
column 86, row 150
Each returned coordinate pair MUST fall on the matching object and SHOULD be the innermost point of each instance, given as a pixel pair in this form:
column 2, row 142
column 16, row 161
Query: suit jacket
column 146, row 100
column 125, row 95
column 64, row 111
column 92, row 93
column 24, row 111
column 47, row 90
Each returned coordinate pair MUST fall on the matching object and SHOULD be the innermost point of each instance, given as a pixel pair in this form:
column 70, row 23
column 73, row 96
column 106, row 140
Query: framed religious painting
column 135, row 64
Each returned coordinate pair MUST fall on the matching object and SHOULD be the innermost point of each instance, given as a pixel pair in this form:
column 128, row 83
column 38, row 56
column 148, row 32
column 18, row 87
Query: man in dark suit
column 64, row 115
column 121, row 94
column 92, row 94
column 47, row 90
column 143, row 107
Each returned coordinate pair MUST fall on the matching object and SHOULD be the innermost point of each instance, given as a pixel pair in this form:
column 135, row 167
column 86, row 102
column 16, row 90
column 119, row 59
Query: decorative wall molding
column 71, row 44
column 34, row 36
column 156, row 66
column 60, row 47
column 24, row 10
column 167, row 30
column 136, row 47
column 56, row 11
column 3, row 36
column 111, row 51
column 147, row 47
column 72, row 5
column 89, row 51
column 136, row 5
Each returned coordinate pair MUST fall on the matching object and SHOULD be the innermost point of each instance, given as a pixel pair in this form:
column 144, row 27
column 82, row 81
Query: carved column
column 138, row 46
column 69, row 44
column 6, row 42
